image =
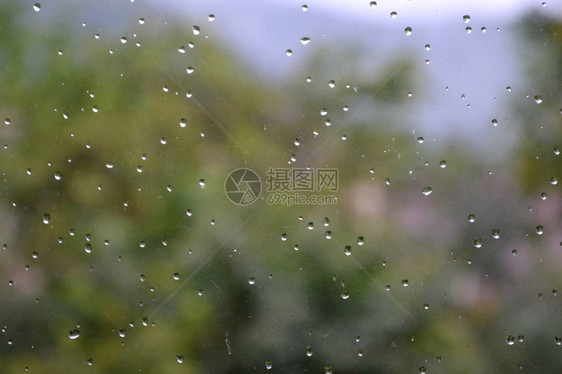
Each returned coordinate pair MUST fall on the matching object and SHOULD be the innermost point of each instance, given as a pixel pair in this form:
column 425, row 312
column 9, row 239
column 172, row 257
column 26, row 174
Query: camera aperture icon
column 242, row 186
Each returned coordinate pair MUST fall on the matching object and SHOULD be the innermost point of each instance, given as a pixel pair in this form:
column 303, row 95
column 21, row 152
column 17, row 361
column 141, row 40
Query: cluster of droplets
column 511, row 340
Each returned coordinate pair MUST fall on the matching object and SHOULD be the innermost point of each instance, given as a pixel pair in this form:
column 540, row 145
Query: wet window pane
column 329, row 187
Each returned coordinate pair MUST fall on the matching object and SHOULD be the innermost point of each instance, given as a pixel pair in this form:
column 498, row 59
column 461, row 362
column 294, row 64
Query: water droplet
column 345, row 295
column 289, row 52
column 553, row 180
column 304, row 7
column 305, row 40
column 37, row 7
column 202, row 183
column 176, row 276
column 420, row 139
column 426, row 306
column 309, row 351
column 179, row 359
column 466, row 19
column 471, row 218
column 190, row 69
column 360, row 240
column 58, row 175
column 408, row 31
column 510, row 340
column 427, row 47
column 347, row 250
column 141, row 21
column 538, row 99
column 211, row 17
column 426, row 191
column 252, row 280
column 442, row 164
column 123, row 40
column 328, row 234
column 496, row 233
column 268, row 365
column 90, row 361
column 188, row 212
column 540, row 229
column 478, row 243
column 393, row 14
column 405, row 283
column 46, row 219
column 196, row 30
column 373, row 4
column 74, row 334
column 495, row 122
column 88, row 248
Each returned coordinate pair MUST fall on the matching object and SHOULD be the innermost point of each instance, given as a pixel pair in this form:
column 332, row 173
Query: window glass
column 280, row 186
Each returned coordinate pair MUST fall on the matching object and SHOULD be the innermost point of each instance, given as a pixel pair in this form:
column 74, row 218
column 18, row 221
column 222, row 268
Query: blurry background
column 122, row 119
